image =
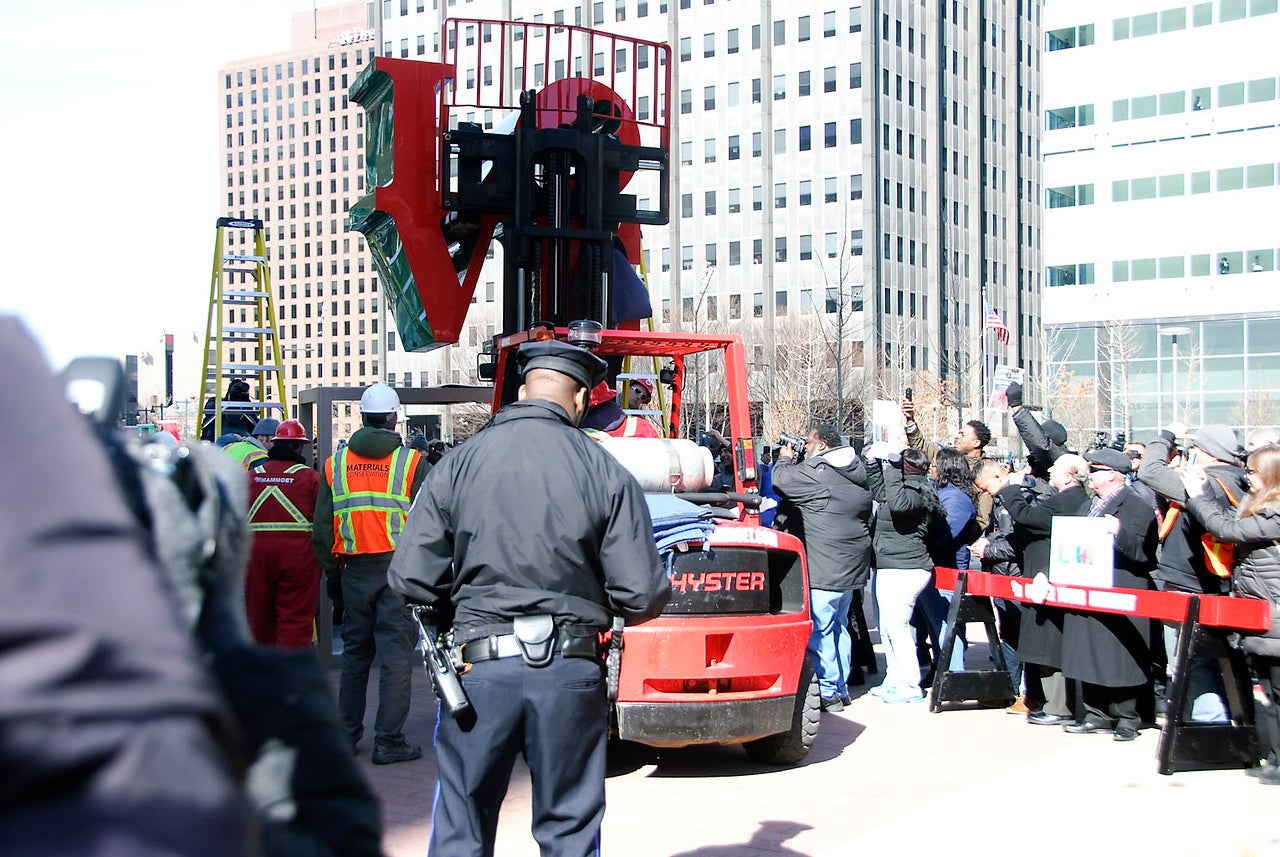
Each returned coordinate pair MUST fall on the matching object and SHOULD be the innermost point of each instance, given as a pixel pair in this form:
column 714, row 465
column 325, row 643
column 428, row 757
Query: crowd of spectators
column 1186, row 511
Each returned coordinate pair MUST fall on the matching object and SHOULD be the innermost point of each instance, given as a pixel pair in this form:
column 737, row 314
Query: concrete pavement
column 885, row 780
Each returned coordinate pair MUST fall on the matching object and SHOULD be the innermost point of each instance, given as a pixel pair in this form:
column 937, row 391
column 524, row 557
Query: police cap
column 578, row 363
column 1111, row 459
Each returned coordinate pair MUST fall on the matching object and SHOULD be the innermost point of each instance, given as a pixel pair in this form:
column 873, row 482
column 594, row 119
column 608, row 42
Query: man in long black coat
column 1111, row 653
column 1040, row 632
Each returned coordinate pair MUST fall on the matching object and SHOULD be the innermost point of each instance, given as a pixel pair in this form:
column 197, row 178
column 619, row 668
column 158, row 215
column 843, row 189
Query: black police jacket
column 530, row 516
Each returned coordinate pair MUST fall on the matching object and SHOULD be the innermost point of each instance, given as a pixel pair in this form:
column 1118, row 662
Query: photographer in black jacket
column 829, row 509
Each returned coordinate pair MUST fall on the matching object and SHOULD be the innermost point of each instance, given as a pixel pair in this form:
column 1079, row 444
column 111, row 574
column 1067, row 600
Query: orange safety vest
column 248, row 453
column 370, row 499
column 1218, row 556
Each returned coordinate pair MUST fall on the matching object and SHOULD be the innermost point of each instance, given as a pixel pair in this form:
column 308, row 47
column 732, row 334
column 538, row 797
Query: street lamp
column 1173, row 333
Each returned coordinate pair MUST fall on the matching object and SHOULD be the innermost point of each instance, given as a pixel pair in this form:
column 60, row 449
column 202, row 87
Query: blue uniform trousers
column 556, row 717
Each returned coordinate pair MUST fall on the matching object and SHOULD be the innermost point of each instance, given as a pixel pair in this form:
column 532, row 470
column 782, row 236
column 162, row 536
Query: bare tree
column 1118, row 347
column 843, row 290
column 1073, row 402
column 1257, row 409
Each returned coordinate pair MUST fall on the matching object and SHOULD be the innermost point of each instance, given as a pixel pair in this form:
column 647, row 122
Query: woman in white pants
column 908, row 507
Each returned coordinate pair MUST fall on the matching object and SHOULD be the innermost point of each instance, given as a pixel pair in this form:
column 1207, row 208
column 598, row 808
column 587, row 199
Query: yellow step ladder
column 241, row 321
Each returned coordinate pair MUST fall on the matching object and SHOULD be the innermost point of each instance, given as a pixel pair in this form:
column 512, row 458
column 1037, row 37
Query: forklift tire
column 788, row 748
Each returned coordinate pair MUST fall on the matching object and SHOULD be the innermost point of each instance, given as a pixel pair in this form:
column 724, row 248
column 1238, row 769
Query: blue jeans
column 375, row 621
column 830, row 647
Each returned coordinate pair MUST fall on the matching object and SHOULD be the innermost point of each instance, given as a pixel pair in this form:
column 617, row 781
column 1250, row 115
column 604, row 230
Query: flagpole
column 982, row 376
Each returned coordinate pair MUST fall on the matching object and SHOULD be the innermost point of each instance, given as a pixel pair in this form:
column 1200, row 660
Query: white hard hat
column 379, row 399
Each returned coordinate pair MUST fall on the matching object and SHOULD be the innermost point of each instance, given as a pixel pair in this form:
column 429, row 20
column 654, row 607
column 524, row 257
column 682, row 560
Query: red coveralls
column 283, row 581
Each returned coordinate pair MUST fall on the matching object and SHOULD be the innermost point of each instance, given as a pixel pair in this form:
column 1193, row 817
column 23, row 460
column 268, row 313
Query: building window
column 806, row 192
column 829, row 135
column 734, row 147
column 805, row 142
column 829, row 79
column 855, row 130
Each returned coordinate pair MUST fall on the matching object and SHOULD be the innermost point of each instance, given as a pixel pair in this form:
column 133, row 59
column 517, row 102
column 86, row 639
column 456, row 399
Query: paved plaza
column 883, row 780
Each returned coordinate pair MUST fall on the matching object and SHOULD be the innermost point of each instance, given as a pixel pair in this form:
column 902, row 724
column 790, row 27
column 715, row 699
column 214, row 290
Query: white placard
column 1081, row 552
column 886, row 424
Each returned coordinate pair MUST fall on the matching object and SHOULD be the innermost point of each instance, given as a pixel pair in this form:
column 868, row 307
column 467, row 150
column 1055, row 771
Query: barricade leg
column 970, row 684
column 1192, row 746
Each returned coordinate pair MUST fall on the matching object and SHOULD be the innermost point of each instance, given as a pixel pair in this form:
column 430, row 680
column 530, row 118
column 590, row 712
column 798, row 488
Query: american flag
column 994, row 322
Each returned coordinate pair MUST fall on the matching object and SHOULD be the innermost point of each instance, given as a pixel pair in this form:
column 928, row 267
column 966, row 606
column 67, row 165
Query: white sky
column 111, row 137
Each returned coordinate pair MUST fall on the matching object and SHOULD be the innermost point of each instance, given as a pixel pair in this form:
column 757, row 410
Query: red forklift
column 570, row 157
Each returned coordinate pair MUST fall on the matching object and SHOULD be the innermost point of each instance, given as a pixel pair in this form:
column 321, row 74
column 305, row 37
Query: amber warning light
column 746, row 460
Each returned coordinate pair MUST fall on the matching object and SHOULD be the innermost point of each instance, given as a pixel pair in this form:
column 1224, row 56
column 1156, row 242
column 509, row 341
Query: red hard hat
column 602, row 393
column 291, row 430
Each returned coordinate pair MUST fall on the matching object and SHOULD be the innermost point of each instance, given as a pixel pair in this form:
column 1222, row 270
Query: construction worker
column 364, row 498
column 605, row 416
column 282, row 583
column 251, row 451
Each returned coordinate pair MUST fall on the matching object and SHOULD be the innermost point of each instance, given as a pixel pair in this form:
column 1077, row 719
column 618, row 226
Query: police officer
column 530, row 532
column 364, row 498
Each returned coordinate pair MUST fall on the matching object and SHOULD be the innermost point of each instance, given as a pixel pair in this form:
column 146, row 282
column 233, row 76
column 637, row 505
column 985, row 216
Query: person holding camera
column 829, row 509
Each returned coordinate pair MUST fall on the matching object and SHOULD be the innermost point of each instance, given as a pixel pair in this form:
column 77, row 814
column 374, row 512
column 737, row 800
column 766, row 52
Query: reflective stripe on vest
column 249, row 454
column 300, row 524
column 369, row 508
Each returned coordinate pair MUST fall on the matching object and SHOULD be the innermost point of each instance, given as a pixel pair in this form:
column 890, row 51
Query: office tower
column 293, row 156
column 1160, row 253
